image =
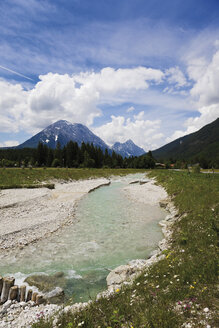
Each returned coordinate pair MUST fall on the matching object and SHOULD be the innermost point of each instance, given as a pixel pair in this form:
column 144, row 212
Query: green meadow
column 34, row 177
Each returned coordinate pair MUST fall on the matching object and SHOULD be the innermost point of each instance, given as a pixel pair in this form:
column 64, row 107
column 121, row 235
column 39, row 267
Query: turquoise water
column 109, row 230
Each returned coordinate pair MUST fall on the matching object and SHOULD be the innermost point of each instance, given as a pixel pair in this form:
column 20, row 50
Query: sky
column 128, row 69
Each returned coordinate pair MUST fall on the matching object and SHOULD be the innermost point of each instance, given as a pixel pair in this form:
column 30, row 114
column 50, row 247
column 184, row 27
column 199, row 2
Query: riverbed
column 109, row 228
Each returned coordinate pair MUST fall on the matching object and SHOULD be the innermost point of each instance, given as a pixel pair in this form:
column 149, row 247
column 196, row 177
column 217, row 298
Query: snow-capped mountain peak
column 127, row 149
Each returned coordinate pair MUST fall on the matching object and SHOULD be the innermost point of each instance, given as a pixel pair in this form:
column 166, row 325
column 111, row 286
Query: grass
column 182, row 288
column 24, row 178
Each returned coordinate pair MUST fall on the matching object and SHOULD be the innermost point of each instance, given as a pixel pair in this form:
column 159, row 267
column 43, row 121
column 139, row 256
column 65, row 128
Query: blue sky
column 141, row 69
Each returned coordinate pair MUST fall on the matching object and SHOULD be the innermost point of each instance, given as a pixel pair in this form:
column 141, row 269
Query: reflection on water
column 109, row 230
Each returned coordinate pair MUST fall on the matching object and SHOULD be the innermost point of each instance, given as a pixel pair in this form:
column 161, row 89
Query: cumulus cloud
column 9, row 143
column 130, row 109
column 204, row 94
column 75, row 98
column 142, row 132
column 175, row 76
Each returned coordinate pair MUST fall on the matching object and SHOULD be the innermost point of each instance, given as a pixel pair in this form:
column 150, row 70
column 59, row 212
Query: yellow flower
column 117, row 290
column 191, row 287
column 194, row 282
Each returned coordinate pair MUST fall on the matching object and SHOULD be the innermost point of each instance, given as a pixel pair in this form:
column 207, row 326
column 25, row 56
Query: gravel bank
column 27, row 215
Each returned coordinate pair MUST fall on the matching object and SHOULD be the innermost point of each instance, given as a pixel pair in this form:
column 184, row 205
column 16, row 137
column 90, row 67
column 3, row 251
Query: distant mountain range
column 201, row 144
column 64, row 131
column 128, row 149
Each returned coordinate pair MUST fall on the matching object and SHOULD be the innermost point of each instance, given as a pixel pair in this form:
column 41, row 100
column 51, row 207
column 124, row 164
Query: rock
column 13, row 293
column 7, row 305
column 40, row 299
column 56, row 296
column 22, row 290
column 29, row 295
column 121, row 274
column 46, row 283
column 34, row 296
column 164, row 203
column 8, row 282
column 23, row 304
column 1, row 284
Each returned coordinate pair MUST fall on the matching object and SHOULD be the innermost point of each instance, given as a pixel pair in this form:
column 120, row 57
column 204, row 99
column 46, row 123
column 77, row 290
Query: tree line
column 71, row 155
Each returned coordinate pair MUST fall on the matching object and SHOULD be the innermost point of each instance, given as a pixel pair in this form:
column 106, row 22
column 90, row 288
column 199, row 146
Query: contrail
column 10, row 70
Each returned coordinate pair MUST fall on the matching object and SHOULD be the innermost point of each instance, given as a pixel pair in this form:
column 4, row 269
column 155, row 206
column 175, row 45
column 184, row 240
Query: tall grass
column 182, row 287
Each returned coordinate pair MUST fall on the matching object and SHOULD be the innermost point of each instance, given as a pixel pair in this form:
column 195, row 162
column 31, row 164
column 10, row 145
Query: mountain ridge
column 63, row 131
column 202, row 143
column 128, row 149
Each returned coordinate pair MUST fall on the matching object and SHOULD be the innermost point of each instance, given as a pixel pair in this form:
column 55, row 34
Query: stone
column 8, row 282
column 34, row 295
column 22, row 293
column 7, row 305
column 29, row 295
column 56, row 296
column 46, row 283
column 40, row 299
column 1, row 284
column 22, row 304
column 13, row 292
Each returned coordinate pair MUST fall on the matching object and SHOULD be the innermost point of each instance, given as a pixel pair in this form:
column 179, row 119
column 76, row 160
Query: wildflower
column 191, row 287
column 157, row 286
column 194, row 282
column 138, row 283
column 176, row 275
column 117, row 290
column 206, row 310
column 80, row 323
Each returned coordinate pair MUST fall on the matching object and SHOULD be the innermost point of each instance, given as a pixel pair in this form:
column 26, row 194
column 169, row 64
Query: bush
column 196, row 169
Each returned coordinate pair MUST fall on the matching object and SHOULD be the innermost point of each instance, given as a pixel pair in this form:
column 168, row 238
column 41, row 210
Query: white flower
column 138, row 283
column 206, row 310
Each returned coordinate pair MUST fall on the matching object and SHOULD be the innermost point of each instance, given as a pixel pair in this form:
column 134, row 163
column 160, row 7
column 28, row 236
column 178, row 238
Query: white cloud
column 75, row 98
column 175, row 76
column 142, row 132
column 9, row 143
column 204, row 94
column 130, row 109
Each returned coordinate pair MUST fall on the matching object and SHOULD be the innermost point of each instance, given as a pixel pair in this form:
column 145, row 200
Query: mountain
column 201, row 144
column 128, row 149
column 62, row 132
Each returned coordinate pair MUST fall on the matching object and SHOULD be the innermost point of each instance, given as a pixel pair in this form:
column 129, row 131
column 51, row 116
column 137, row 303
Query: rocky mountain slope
column 62, row 132
column 201, row 144
column 128, row 149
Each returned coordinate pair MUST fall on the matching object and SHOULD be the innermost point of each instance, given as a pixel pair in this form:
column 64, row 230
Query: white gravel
column 148, row 193
column 27, row 215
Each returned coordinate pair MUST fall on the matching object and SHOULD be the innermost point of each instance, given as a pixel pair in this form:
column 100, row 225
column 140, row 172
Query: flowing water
column 109, row 230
